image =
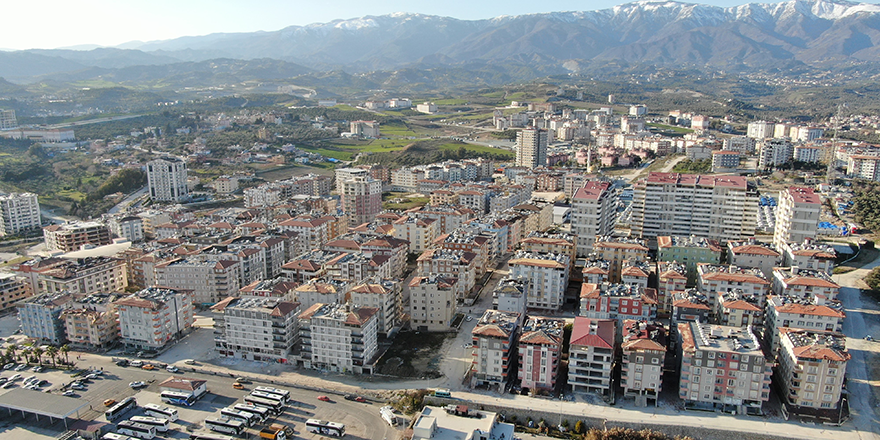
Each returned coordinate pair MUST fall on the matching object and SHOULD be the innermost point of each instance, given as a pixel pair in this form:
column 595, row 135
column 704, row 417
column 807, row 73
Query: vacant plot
column 414, row 354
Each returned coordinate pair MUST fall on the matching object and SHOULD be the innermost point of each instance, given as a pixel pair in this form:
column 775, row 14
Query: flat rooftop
column 452, row 427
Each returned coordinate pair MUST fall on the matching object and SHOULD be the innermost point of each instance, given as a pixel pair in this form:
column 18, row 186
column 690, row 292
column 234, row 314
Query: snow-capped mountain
column 812, row 32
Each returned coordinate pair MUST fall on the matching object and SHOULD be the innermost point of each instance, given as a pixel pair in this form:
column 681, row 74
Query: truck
column 273, row 433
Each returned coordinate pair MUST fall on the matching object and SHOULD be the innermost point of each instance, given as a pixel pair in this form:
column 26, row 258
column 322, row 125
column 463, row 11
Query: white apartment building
column 811, row 373
column 339, row 338
column 793, row 312
column 73, row 236
column 256, row 329
column 349, row 173
column 8, row 120
column 495, row 348
column 40, row 317
column 540, row 350
column 84, row 276
column 863, row 166
column 153, row 317
column 19, row 213
column 419, row 232
column 591, row 355
column 774, row 152
column 548, row 275
column 797, row 216
column 450, row 264
column 753, row 254
column 643, row 356
column 804, row 283
column 209, row 281
column 715, row 279
column 511, row 295
column 593, row 214
column 367, row 129
column 321, row 291
column 531, row 147
column 166, row 178
column 383, row 295
column 433, row 303
column 760, row 130
column 714, row 207
column 809, row 255
column 807, row 153
column 129, row 227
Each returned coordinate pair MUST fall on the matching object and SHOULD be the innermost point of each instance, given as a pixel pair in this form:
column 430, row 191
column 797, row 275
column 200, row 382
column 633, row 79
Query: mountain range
column 804, row 33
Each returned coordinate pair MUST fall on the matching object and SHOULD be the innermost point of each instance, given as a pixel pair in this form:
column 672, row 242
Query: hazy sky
column 64, row 23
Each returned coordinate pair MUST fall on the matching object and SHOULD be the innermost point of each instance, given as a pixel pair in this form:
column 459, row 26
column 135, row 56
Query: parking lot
column 362, row 420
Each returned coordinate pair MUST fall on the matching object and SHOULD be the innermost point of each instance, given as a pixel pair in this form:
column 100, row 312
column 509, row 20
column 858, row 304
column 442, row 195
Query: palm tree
column 52, row 352
column 65, row 349
column 10, row 352
column 38, row 354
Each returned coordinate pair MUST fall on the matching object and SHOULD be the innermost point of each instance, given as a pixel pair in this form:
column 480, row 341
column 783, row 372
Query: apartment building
column 813, row 314
column 361, row 199
column 154, row 317
column 256, row 329
column 340, row 338
column 464, row 241
column 419, row 232
column 40, row 317
column 753, row 254
column 671, row 277
column 643, row 356
column 618, row 301
column 450, row 264
column 367, row 129
column 19, row 212
column 689, row 251
column 863, row 166
column 548, row 274
column 725, row 161
column 812, row 373
column 84, row 276
column 166, row 179
column 313, row 231
column 635, row 273
column 495, row 349
column 385, row 296
column 550, row 242
column 797, row 216
column 129, row 227
column 722, row 368
column 804, row 283
column 73, row 236
column 738, row 309
column 13, row 288
column 713, row 279
column 531, row 147
column 511, row 295
column 91, row 323
column 617, row 251
column 540, row 352
column 279, row 289
column 450, row 218
column 773, row 153
column 593, row 212
column 809, row 255
column 433, row 303
column 208, row 281
column 592, row 352
column 691, row 305
column 708, row 206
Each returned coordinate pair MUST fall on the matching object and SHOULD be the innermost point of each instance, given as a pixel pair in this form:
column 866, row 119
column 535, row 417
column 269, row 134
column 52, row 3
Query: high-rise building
column 811, row 374
column 7, row 120
column 760, row 130
column 361, row 199
column 774, row 152
column 151, row 318
column 19, row 212
column 714, row 207
column 540, row 350
column 592, row 214
column 797, row 216
column 495, row 348
column 240, row 328
column 166, row 177
column 531, row 147
column 73, row 236
column 339, row 338
column 592, row 350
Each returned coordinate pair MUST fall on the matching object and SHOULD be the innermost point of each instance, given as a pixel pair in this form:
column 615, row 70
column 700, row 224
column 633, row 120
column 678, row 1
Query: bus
column 164, row 412
column 138, row 430
column 273, row 405
column 228, row 426
column 276, row 397
column 118, row 410
column 283, row 393
column 245, row 417
column 442, row 393
column 115, row 436
column 178, row 398
column 160, row 423
column 325, row 428
column 262, row 413
column 205, row 435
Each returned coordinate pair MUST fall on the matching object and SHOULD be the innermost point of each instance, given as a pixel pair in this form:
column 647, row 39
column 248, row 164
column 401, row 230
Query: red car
column 355, row 398
column 324, row 399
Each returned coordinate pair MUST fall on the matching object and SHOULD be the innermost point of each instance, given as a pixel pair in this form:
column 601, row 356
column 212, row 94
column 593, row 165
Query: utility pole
column 830, row 155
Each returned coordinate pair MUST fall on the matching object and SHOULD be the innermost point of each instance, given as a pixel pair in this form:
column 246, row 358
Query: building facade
column 166, row 179
column 153, row 317
column 339, row 338
column 19, row 213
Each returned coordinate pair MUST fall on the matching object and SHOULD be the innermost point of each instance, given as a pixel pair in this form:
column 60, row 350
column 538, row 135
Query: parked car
column 190, row 362
column 122, row 363
column 92, row 376
column 136, row 363
column 137, row 384
column 9, row 366
column 69, row 393
column 8, row 384
column 238, row 386
column 324, row 399
column 355, row 398
column 148, row 367
column 78, row 386
column 172, row 369
column 110, row 402
column 21, row 367
column 242, row 380
column 37, row 369
column 14, row 377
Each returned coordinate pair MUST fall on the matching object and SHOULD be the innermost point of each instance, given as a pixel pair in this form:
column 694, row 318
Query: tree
column 52, row 352
column 10, row 351
column 579, row 427
column 873, row 279
column 65, row 350
column 38, row 355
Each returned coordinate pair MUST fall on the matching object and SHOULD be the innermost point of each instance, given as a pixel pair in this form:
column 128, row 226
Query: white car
column 69, row 393
column 137, row 384
column 21, row 367
column 14, row 377
column 172, row 369
column 136, row 363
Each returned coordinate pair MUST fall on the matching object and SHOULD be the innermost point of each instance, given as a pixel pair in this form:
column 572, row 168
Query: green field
column 451, row 101
column 396, row 129
column 680, row 130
